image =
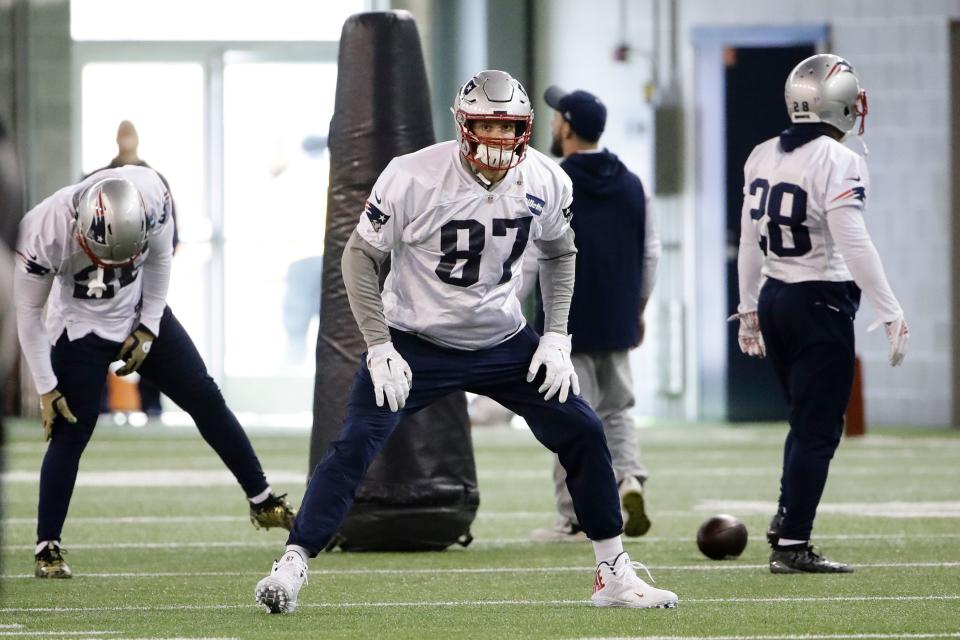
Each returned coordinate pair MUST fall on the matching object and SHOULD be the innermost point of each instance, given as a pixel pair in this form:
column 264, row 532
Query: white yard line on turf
column 805, row 636
column 57, row 633
column 476, row 603
column 218, row 477
column 154, row 478
column 940, row 509
column 711, row 506
column 195, row 519
column 468, row 570
column 482, row 542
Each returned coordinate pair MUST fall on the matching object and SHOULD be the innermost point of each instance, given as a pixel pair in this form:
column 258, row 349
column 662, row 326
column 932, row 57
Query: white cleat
column 277, row 593
column 618, row 585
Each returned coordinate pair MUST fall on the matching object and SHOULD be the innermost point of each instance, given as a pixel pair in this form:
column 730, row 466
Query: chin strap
column 863, row 143
column 96, row 287
column 482, row 179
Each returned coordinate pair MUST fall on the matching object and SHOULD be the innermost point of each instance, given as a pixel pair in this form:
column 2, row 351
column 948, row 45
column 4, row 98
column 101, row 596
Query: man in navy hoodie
column 617, row 254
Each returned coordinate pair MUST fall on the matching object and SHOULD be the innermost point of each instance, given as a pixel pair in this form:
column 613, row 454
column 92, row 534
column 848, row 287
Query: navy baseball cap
column 583, row 110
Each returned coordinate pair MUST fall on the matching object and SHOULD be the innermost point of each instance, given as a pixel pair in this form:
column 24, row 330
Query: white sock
column 607, row 550
column 787, row 542
column 297, row 549
column 260, row 497
column 43, row 545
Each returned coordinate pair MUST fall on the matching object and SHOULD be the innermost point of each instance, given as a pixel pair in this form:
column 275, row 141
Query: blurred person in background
column 97, row 254
column 805, row 256
column 617, row 255
column 128, row 143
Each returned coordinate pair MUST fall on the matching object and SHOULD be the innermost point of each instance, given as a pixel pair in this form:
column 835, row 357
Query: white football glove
column 749, row 336
column 554, row 354
column 391, row 375
column 897, row 335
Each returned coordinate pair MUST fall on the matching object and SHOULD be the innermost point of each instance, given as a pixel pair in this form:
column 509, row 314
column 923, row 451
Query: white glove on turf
column 554, row 354
column 391, row 375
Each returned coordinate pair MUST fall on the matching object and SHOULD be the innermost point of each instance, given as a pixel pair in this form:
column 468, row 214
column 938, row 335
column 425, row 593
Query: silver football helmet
column 825, row 88
column 493, row 95
column 111, row 222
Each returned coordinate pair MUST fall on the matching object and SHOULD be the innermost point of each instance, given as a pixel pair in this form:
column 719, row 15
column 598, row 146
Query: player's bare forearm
column 360, row 266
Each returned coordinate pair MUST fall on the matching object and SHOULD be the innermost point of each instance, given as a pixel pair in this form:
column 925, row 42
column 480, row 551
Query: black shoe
column 773, row 531
column 49, row 563
column 804, row 559
column 272, row 512
column 635, row 519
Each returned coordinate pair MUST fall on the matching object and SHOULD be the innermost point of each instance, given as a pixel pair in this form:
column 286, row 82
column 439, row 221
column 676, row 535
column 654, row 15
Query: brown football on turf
column 722, row 536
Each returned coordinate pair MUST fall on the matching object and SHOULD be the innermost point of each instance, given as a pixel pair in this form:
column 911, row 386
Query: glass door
column 165, row 104
column 276, row 117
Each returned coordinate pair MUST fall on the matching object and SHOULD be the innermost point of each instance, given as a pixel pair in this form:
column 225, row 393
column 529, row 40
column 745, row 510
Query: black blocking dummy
column 420, row 493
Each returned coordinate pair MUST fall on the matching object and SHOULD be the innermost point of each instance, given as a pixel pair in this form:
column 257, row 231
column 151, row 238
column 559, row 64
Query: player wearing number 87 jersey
column 803, row 231
column 456, row 245
column 97, row 254
column 455, row 219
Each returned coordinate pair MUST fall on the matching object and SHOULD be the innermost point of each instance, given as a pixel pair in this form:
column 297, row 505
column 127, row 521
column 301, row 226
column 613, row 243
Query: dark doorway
column 755, row 112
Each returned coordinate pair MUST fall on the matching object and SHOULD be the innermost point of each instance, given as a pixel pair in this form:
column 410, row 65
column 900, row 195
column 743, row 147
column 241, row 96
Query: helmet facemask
column 493, row 96
column 493, row 152
column 860, row 109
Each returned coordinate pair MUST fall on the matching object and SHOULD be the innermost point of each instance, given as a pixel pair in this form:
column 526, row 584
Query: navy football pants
column 571, row 430
column 176, row 368
column 810, row 341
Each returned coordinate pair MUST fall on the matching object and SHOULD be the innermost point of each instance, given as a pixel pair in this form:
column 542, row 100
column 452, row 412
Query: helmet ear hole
column 846, row 111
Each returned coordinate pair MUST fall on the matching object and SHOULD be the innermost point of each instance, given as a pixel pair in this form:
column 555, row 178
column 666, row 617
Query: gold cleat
column 50, row 563
column 272, row 512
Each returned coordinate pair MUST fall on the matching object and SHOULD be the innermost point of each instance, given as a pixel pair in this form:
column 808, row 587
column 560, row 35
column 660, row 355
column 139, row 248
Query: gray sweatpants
column 606, row 382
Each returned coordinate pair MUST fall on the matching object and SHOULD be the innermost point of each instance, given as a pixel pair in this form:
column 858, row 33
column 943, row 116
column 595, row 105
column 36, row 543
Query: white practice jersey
column 789, row 196
column 456, row 247
column 48, row 247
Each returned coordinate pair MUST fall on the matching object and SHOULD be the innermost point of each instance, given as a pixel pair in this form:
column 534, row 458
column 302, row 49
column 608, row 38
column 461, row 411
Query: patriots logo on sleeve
column 31, row 265
column 567, row 213
column 535, row 204
column 855, row 193
column 165, row 207
column 376, row 217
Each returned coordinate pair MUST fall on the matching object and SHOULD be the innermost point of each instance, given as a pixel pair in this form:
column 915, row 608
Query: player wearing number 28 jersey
column 455, row 219
column 803, row 237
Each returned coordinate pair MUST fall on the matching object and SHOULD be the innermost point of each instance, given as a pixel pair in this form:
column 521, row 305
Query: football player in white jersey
column 97, row 255
column 454, row 219
column 803, row 238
